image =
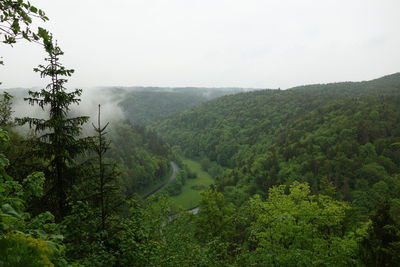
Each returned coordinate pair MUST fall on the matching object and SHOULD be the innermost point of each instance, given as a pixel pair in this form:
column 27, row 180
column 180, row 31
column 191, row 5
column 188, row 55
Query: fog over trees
column 193, row 176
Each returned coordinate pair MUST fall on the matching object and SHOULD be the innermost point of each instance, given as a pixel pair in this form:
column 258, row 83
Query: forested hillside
column 142, row 156
column 338, row 134
column 147, row 105
column 302, row 177
column 141, row 105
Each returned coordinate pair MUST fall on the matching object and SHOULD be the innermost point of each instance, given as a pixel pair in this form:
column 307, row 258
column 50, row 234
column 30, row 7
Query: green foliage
column 19, row 151
column 106, row 191
column 25, row 241
column 198, row 187
column 96, row 203
column 143, row 157
column 214, row 219
column 148, row 105
column 339, row 138
column 298, row 229
column 6, row 109
column 330, row 136
column 205, row 163
column 368, row 198
column 181, row 247
column 158, row 235
column 212, row 167
column 21, row 250
column 175, row 188
column 382, row 244
column 87, row 243
column 99, row 226
column 191, row 196
column 16, row 18
column 59, row 143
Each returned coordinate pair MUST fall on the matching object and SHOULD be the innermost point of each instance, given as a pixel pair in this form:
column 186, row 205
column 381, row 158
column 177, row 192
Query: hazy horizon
column 165, row 88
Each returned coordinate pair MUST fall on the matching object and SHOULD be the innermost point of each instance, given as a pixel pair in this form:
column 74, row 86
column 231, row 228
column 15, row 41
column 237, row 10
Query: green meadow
column 190, row 196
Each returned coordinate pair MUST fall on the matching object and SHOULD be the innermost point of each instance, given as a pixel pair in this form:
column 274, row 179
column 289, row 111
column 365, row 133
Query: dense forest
column 336, row 134
column 148, row 105
column 307, row 176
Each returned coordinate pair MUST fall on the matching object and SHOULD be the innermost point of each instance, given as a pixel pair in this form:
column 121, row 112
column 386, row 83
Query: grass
column 190, row 198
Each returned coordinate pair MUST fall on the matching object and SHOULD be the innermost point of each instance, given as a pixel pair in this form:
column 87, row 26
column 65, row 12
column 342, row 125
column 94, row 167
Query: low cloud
column 88, row 106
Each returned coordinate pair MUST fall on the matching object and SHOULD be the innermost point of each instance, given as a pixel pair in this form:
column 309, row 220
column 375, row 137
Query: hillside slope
column 338, row 134
column 147, row 105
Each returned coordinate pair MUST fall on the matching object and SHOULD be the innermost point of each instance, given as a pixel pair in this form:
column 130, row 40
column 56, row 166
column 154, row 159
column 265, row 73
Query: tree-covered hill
column 338, row 134
column 146, row 105
column 62, row 202
column 143, row 158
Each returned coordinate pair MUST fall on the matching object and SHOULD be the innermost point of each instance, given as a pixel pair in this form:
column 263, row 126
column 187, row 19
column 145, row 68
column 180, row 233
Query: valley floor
column 190, row 196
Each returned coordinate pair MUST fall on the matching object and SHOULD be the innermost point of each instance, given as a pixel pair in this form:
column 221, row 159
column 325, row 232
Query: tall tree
column 94, row 219
column 102, row 148
column 107, row 184
column 59, row 143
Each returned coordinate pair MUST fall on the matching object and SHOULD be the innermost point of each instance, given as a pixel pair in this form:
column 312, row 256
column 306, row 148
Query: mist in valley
column 205, row 160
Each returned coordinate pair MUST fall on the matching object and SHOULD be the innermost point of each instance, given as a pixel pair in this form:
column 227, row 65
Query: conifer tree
column 58, row 143
column 94, row 221
column 99, row 186
column 107, row 175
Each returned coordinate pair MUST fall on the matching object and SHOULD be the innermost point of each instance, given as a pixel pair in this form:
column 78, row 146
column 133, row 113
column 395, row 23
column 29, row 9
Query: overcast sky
column 214, row 43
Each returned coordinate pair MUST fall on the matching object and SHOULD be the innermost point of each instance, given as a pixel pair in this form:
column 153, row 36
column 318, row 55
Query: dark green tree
column 59, row 144
column 97, row 201
column 101, row 148
column 381, row 246
column 5, row 109
column 107, row 182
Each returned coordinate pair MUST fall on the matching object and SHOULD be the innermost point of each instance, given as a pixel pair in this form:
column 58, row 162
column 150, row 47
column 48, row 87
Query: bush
column 175, row 188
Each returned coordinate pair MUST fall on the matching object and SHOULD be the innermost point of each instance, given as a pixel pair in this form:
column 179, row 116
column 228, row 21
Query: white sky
column 214, row 43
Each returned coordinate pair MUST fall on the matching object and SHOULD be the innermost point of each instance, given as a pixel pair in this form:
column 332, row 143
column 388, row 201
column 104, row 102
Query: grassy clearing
column 190, row 197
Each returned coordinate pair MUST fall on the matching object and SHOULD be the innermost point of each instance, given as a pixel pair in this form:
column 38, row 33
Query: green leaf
column 7, row 209
column 16, row 28
column 33, row 9
column 4, row 136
